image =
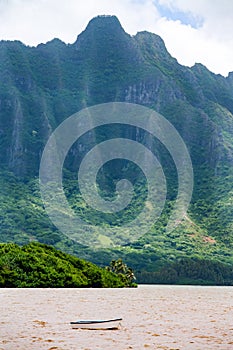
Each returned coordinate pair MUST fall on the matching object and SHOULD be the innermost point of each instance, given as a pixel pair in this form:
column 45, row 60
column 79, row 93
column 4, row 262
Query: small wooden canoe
column 97, row 324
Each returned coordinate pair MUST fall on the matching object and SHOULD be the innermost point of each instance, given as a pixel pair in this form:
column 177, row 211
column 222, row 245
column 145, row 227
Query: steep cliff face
column 42, row 86
column 16, row 150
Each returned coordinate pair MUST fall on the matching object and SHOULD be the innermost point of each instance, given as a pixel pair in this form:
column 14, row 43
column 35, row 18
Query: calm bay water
column 154, row 317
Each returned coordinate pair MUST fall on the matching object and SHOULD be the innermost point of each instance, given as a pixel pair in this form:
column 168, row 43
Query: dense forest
column 40, row 265
column 190, row 271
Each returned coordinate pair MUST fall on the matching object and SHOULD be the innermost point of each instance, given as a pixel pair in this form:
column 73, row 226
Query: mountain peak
column 105, row 40
column 153, row 45
column 104, row 20
column 103, row 23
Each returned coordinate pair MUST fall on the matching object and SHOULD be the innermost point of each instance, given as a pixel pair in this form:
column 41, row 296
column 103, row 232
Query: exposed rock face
column 16, row 150
column 42, row 86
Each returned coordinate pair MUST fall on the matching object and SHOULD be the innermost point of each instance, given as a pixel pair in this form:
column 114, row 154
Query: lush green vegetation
column 155, row 257
column 40, row 265
column 190, row 271
column 121, row 269
column 42, row 86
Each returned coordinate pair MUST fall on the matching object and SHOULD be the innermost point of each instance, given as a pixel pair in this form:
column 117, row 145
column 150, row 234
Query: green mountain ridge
column 42, row 86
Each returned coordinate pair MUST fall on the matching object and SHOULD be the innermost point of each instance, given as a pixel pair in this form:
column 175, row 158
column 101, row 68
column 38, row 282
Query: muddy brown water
column 154, row 317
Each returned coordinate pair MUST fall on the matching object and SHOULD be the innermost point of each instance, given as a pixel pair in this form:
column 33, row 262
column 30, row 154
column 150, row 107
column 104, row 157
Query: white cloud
column 35, row 21
column 212, row 43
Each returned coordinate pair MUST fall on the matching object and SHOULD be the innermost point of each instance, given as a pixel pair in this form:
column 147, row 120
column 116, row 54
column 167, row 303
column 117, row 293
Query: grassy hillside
column 156, row 257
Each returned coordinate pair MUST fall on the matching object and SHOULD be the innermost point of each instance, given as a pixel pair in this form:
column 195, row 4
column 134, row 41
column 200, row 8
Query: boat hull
column 105, row 324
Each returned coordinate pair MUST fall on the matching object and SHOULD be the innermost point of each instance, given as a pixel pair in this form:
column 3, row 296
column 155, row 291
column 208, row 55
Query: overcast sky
column 193, row 30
